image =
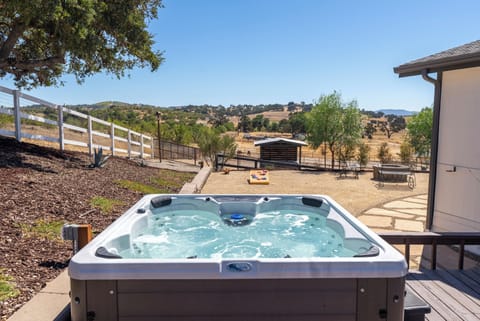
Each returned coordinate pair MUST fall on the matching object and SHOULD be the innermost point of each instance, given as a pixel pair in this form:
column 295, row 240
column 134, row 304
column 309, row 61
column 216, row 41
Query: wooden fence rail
column 430, row 238
column 116, row 137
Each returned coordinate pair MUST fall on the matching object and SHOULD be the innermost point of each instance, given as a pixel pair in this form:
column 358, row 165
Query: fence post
column 112, row 136
column 141, row 146
column 61, row 133
column 129, row 144
column 17, row 116
column 90, row 136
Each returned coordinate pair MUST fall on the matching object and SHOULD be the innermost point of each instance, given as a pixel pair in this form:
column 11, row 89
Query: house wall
column 457, row 193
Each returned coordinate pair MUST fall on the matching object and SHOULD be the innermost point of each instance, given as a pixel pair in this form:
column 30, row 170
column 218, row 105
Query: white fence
column 95, row 133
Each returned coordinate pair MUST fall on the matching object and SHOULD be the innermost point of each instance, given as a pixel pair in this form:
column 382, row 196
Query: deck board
column 452, row 294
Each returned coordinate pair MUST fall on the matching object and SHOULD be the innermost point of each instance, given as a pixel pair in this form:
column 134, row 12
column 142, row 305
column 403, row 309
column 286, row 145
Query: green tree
column 43, row 39
column 284, row 126
column 211, row 143
column 369, row 130
column 351, row 131
column 394, row 124
column 245, row 124
column 258, row 122
column 298, row 123
column 333, row 123
column 420, row 131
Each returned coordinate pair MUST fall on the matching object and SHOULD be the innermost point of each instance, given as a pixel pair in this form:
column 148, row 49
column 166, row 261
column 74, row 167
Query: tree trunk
column 333, row 156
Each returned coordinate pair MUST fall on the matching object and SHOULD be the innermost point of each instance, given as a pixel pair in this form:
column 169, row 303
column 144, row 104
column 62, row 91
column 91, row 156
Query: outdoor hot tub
column 237, row 257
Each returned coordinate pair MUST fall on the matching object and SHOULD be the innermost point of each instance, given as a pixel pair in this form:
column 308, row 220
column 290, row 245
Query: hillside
column 397, row 112
column 41, row 189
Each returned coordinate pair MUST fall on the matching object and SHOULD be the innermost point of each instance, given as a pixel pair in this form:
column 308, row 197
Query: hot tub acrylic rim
column 86, row 266
column 118, row 229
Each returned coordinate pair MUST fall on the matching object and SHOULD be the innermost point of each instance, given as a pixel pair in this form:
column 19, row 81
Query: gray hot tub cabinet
column 367, row 299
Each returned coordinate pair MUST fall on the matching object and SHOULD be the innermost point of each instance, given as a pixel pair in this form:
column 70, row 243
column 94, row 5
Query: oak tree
column 40, row 40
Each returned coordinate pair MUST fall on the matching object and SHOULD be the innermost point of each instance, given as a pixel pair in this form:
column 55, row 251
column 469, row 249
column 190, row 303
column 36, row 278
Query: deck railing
column 434, row 239
column 93, row 133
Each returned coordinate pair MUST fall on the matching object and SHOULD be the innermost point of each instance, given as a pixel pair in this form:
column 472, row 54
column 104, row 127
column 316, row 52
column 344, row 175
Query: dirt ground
column 41, row 185
column 356, row 195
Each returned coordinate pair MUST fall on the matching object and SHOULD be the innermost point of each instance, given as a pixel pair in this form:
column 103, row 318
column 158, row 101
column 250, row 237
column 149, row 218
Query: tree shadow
column 14, row 154
column 52, row 264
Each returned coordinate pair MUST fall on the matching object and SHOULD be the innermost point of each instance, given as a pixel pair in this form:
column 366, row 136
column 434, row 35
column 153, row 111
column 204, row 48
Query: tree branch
column 7, row 47
column 28, row 65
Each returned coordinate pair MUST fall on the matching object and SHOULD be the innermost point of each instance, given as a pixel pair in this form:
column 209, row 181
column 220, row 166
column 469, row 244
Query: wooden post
column 461, row 254
column 17, row 116
column 90, row 136
column 84, row 235
column 129, row 138
column 112, row 137
column 407, row 252
column 434, row 255
column 141, row 146
column 61, row 133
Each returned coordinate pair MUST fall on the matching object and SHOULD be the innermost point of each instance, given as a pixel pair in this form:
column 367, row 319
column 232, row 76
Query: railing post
column 434, row 255
column 141, row 146
column 17, row 116
column 461, row 254
column 61, row 133
column 407, row 252
column 112, row 136
column 151, row 147
column 90, row 135
column 129, row 138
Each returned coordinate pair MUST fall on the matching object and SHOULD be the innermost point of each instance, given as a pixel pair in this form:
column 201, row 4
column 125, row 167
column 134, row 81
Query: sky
column 231, row 52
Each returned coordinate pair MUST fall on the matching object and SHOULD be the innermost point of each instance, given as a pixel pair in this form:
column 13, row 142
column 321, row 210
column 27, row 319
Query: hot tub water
column 202, row 234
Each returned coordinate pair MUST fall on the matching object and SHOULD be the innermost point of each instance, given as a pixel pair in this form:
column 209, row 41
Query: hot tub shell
column 346, row 288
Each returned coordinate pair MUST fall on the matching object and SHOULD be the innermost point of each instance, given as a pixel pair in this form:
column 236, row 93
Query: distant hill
column 397, row 112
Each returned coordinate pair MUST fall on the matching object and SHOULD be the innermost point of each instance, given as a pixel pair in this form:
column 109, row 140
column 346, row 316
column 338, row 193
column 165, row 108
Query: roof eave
column 444, row 64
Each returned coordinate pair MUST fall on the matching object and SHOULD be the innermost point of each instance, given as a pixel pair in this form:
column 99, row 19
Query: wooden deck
column 452, row 294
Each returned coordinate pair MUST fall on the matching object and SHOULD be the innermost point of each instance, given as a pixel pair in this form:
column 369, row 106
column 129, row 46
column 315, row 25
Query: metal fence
column 171, row 150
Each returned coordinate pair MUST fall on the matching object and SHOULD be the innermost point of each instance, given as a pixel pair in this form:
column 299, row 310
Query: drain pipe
column 426, row 77
column 434, row 147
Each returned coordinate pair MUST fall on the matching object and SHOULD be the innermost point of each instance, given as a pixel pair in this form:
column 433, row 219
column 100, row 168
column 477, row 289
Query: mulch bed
column 43, row 183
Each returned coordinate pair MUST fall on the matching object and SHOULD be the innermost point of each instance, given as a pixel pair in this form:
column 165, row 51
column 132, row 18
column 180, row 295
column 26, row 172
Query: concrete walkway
column 406, row 214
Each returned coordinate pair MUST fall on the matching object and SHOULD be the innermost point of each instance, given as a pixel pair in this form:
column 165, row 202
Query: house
column 454, row 186
column 281, row 149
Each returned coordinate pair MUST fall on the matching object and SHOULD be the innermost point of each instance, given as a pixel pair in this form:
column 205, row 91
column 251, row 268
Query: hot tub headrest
column 314, row 202
column 106, row 254
column 160, row 201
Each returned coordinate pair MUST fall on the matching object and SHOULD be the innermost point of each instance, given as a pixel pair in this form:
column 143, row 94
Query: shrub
column 384, row 154
column 363, row 154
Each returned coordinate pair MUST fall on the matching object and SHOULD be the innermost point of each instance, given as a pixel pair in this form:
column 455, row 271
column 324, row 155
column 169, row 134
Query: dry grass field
column 316, row 156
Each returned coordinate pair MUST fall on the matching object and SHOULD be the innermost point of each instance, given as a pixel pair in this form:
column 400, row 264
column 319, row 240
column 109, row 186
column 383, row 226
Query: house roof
column 465, row 56
column 276, row 140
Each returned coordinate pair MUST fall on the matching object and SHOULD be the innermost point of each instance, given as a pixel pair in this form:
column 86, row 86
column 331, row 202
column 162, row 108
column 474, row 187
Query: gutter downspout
column 434, row 153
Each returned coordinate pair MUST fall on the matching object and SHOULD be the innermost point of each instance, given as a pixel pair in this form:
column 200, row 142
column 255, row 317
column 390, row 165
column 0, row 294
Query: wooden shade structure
column 281, row 149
